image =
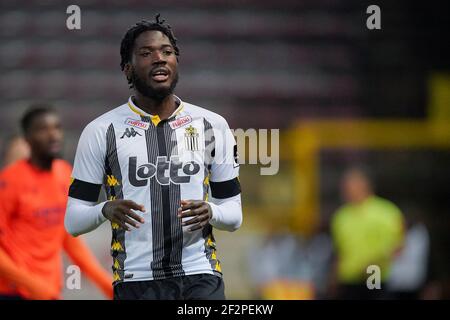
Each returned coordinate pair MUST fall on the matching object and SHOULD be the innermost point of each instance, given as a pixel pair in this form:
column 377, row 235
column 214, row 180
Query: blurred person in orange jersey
column 17, row 148
column 367, row 230
column 33, row 196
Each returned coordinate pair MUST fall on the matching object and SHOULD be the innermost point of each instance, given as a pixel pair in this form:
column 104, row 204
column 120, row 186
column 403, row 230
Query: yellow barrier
column 304, row 142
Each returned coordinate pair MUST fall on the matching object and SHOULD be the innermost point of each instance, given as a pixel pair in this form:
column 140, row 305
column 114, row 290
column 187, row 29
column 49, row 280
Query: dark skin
column 152, row 52
column 45, row 137
column 199, row 210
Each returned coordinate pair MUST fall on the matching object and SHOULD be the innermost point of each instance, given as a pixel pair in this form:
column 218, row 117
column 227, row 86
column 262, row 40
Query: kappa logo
column 130, row 133
column 180, row 122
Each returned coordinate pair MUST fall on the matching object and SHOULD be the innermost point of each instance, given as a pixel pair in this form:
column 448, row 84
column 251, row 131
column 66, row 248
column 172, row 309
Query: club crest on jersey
column 137, row 123
column 191, row 138
column 175, row 124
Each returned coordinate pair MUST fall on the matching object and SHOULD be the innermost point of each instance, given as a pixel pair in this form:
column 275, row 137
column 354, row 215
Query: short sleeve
column 224, row 179
column 88, row 169
column 335, row 227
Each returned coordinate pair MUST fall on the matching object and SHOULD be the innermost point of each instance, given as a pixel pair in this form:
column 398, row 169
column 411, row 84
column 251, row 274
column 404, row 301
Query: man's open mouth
column 160, row 74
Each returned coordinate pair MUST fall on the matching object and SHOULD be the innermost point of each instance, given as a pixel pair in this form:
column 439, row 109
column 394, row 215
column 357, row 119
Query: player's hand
column 121, row 212
column 199, row 210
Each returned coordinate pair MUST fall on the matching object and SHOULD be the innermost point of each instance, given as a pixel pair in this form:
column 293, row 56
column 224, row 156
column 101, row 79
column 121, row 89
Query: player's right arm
column 83, row 214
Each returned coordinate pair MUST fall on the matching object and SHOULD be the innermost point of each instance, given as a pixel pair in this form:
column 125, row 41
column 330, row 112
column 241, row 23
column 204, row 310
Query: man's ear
column 128, row 70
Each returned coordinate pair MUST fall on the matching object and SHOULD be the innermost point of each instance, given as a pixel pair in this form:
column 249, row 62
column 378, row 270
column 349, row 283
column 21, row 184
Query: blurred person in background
column 279, row 272
column 16, row 148
column 411, row 267
column 290, row 266
column 366, row 230
column 33, row 196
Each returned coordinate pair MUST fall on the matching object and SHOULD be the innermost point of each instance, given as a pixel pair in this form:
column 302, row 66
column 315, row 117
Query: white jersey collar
column 141, row 112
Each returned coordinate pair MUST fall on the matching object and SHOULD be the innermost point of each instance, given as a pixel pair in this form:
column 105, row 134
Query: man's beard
column 151, row 92
column 47, row 156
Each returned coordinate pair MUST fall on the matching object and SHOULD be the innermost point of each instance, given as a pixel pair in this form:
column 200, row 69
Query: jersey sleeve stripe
column 83, row 190
column 225, row 189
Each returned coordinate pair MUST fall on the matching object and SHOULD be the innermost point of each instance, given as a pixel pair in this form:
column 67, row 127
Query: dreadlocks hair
column 126, row 46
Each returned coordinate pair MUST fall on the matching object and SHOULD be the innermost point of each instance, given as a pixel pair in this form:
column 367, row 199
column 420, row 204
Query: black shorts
column 194, row 287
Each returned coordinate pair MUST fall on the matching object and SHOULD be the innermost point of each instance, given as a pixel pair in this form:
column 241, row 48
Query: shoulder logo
column 130, row 133
column 235, row 156
column 177, row 123
column 137, row 123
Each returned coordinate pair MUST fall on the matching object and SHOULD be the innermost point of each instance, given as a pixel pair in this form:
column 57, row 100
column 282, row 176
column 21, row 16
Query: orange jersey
column 32, row 208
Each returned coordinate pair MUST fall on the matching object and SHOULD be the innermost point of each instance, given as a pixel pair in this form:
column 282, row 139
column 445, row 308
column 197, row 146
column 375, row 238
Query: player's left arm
column 80, row 254
column 223, row 210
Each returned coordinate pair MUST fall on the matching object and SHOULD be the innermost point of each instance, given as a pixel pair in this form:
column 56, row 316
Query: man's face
column 154, row 66
column 355, row 187
column 45, row 136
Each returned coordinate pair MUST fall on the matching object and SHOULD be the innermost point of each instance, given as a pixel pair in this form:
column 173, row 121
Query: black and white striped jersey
column 158, row 163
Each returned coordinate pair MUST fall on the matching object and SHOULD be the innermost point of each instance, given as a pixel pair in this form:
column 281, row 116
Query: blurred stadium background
column 339, row 93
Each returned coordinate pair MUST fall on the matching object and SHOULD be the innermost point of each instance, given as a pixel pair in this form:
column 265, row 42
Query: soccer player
column 33, row 196
column 170, row 170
